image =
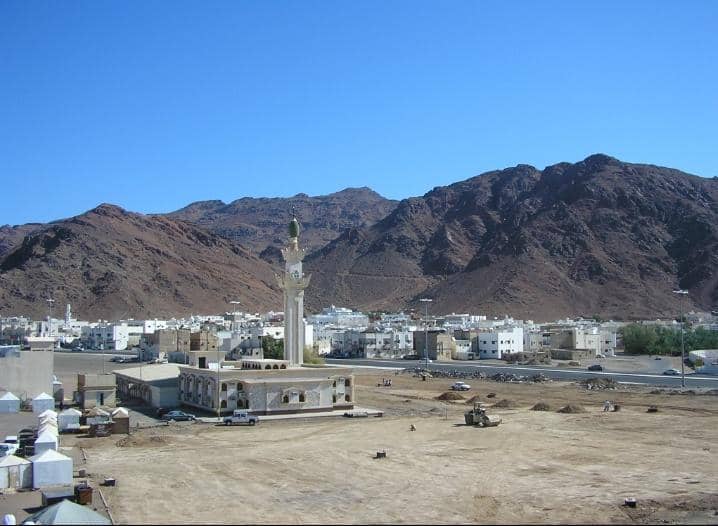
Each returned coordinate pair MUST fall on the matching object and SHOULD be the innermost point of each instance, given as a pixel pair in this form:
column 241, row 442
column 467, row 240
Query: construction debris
column 572, row 408
column 450, row 395
column 599, row 383
column 541, row 406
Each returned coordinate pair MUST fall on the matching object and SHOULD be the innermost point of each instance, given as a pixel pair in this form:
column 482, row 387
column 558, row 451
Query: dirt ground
column 536, row 467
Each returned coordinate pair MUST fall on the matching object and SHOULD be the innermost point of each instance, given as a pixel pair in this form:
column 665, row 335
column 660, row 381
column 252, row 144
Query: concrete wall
column 26, row 374
column 572, row 354
column 164, row 396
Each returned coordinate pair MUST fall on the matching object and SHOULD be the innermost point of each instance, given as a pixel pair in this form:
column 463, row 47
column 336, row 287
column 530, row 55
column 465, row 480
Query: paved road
column 569, row 374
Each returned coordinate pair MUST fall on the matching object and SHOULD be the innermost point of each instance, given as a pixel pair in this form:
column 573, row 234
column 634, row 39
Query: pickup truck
column 240, row 417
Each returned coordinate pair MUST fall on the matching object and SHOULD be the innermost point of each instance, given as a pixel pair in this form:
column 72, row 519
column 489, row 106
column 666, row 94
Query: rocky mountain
column 261, row 223
column 111, row 264
column 598, row 237
column 11, row 236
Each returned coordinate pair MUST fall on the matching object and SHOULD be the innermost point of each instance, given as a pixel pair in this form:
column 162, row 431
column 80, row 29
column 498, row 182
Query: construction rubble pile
column 599, row 383
column 497, row 377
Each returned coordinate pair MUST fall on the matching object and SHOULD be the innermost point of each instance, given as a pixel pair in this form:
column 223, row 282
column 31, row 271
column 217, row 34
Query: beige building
column 165, row 343
column 440, row 345
column 267, row 387
column 96, row 390
column 156, row 385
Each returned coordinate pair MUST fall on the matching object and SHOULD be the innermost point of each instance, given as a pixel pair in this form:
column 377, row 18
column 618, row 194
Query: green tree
column 272, row 349
column 639, row 339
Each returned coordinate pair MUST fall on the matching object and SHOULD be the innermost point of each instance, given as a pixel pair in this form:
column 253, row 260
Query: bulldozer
column 478, row 417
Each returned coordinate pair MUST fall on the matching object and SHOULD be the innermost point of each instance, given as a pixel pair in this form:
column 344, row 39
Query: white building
column 339, row 317
column 111, row 336
column 497, row 343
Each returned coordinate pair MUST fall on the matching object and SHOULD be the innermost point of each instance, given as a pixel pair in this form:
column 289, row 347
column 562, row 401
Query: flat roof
column 150, row 372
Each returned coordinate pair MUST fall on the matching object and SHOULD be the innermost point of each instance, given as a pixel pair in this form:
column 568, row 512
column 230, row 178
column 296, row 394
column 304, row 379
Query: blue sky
column 152, row 105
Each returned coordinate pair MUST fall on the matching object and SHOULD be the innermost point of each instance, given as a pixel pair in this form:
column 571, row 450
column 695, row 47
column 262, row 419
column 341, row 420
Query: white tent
column 48, row 412
column 45, row 440
column 67, row 512
column 42, row 402
column 46, row 421
column 48, row 427
column 120, row 412
column 69, row 419
column 9, row 403
column 15, row 472
column 51, row 468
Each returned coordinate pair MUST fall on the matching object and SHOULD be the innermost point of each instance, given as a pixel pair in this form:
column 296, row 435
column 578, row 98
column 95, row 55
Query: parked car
column 411, row 357
column 595, row 367
column 240, row 416
column 671, row 372
column 460, row 386
column 178, row 416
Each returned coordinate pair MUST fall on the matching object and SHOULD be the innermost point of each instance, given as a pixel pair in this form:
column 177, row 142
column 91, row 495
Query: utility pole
column 426, row 302
column 683, row 293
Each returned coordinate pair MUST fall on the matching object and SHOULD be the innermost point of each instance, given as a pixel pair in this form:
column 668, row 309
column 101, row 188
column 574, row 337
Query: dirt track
column 535, row 467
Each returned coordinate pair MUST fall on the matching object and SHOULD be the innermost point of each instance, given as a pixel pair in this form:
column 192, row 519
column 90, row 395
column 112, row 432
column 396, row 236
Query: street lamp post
column 426, row 302
column 684, row 293
column 49, row 301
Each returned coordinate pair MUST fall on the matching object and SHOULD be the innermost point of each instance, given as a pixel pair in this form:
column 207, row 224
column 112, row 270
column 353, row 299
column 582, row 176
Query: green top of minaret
column 294, row 228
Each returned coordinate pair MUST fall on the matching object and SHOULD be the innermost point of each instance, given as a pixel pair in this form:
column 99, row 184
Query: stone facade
column 268, row 391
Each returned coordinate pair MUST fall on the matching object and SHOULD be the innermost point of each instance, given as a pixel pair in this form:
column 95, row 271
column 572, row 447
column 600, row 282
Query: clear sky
column 153, row 105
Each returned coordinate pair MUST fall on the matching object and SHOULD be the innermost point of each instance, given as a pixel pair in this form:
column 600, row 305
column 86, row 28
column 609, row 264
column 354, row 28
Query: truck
column 240, row 416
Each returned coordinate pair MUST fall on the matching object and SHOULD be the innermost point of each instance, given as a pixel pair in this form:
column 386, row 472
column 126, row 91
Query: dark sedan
column 178, row 416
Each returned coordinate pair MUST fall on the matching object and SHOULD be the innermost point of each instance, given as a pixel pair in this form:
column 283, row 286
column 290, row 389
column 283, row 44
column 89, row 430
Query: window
column 302, row 398
column 334, row 399
column 224, row 386
column 348, row 382
column 285, row 399
column 347, row 398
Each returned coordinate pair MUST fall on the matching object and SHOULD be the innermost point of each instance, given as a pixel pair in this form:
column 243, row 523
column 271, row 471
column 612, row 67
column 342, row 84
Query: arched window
column 223, row 404
column 268, row 366
column 348, row 382
column 275, row 366
column 224, row 386
column 302, row 398
column 240, row 387
column 283, row 366
column 285, row 399
column 347, row 398
column 334, row 399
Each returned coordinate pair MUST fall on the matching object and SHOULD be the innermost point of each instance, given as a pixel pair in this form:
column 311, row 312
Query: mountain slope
column 595, row 237
column 109, row 263
column 259, row 223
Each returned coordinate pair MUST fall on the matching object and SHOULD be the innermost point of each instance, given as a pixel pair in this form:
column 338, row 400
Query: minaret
column 293, row 282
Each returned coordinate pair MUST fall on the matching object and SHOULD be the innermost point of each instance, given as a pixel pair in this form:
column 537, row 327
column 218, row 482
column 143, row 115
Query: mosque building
column 263, row 386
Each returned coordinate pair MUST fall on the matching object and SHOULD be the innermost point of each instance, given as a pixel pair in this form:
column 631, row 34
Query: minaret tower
column 293, row 282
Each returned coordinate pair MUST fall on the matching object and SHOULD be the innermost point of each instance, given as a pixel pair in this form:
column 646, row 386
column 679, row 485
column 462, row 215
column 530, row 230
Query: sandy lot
column 536, row 467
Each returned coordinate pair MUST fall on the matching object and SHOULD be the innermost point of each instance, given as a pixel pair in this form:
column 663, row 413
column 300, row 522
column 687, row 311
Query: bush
column 312, row 357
